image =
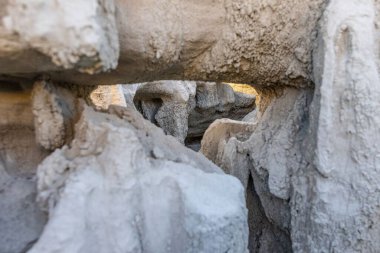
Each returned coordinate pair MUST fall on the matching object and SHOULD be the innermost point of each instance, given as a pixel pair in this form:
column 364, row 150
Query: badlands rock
column 337, row 194
column 106, row 95
column 315, row 172
column 167, row 104
column 185, row 109
column 21, row 220
column 33, row 121
column 38, row 36
column 263, row 155
column 267, row 43
column 216, row 101
column 153, row 196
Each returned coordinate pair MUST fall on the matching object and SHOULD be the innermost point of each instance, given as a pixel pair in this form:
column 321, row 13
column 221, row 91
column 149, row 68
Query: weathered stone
column 54, row 111
column 123, row 186
column 186, row 109
column 266, row 43
column 106, row 95
column 167, row 104
column 215, row 101
column 38, row 36
column 21, row 220
column 336, row 197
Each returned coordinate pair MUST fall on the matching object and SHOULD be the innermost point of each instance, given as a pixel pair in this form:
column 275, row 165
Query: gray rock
column 186, row 113
column 123, row 186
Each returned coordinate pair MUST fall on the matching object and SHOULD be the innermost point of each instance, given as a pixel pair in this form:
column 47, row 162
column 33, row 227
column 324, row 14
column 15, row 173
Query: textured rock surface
column 185, row 109
column 216, row 101
column 263, row 155
column 38, row 36
column 311, row 168
column 258, row 42
column 316, row 172
column 21, row 219
column 167, row 104
column 129, row 92
column 153, row 196
column 54, row 110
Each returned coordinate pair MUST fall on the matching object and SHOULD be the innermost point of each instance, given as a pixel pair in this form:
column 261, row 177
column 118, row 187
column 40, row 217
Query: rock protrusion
column 123, row 186
column 185, row 109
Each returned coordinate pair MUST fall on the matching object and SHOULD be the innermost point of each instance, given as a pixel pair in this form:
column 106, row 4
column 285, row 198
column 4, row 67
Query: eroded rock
column 216, row 101
column 123, row 186
column 186, row 109
column 167, row 104
column 337, row 195
column 314, row 165
column 263, row 156
column 267, row 43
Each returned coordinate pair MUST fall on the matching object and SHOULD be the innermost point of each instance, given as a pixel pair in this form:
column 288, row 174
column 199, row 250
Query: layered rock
column 153, row 196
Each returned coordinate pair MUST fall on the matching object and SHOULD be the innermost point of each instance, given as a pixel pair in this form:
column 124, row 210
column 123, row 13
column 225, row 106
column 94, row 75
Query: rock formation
column 216, row 101
column 148, row 198
column 263, row 155
column 266, row 43
column 186, row 109
column 167, row 104
column 308, row 157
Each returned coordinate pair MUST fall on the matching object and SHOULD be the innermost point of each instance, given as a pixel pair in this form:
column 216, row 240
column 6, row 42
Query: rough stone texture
column 215, row 101
column 315, row 172
column 337, row 195
column 185, row 109
column 266, row 43
column 263, row 155
column 21, row 219
column 38, row 36
column 153, row 196
column 311, row 173
column 167, row 104
column 32, row 122
column 54, row 113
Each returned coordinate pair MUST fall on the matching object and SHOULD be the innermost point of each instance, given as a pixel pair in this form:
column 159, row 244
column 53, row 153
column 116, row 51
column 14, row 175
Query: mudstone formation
column 81, row 170
column 185, row 109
